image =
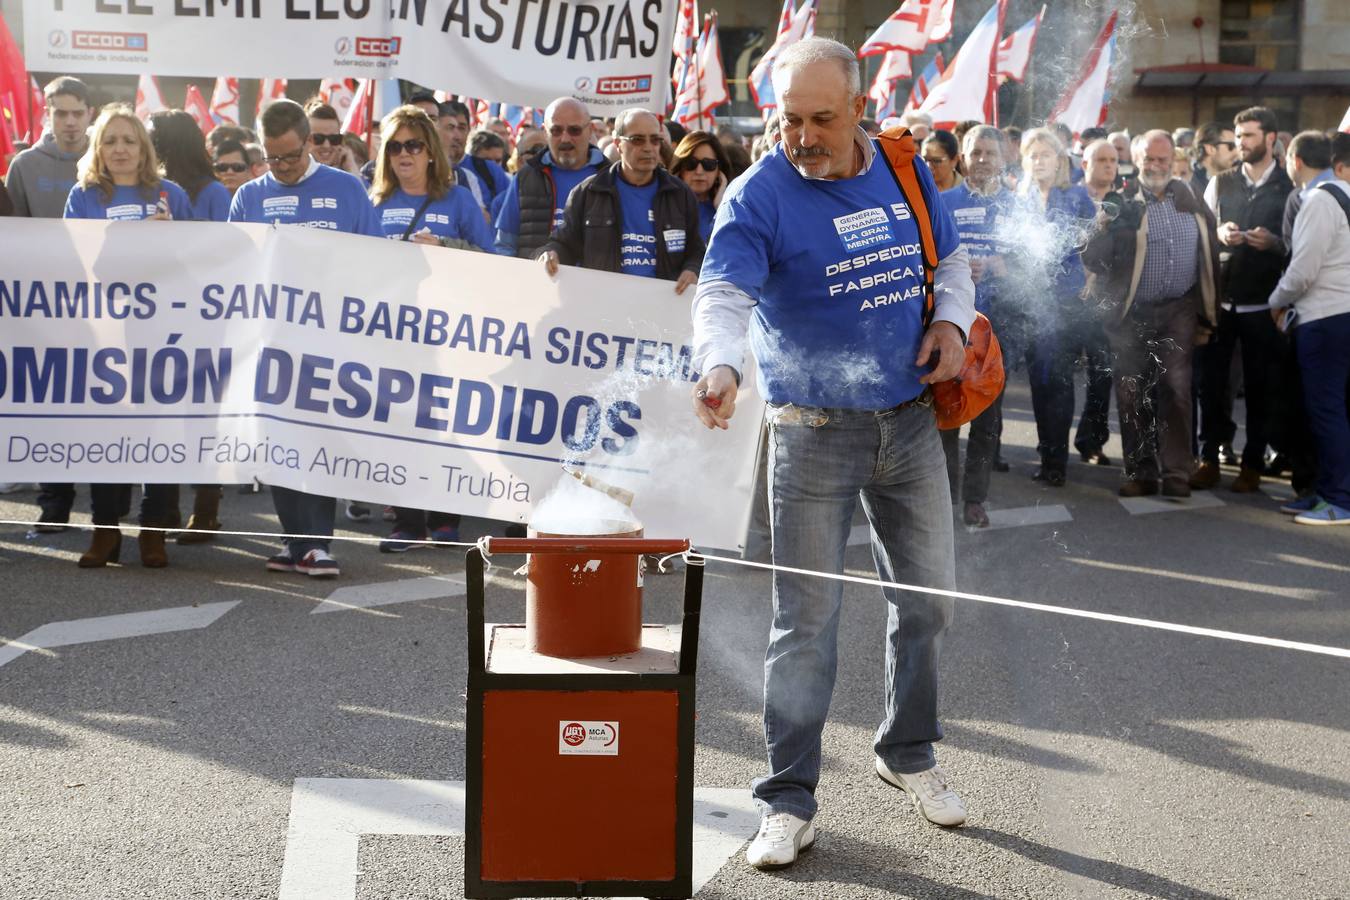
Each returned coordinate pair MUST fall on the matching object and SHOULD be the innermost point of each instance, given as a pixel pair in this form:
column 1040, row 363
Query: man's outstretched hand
column 715, row 397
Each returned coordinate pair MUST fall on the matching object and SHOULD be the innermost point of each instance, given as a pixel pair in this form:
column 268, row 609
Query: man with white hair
column 920, row 124
column 1127, row 175
column 816, row 252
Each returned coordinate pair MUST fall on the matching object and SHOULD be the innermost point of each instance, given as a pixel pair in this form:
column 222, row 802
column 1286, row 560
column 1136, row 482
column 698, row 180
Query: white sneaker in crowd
column 781, row 837
column 933, row 797
column 317, row 564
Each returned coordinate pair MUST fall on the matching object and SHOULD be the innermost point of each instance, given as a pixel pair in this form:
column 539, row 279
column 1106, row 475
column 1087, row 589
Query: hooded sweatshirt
column 40, row 179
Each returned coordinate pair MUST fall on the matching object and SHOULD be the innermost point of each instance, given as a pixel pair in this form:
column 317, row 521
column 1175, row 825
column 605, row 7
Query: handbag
column 980, row 380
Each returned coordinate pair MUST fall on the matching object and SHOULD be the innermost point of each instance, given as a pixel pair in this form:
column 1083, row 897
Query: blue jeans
column 1325, row 363
column 821, row 462
column 302, row 513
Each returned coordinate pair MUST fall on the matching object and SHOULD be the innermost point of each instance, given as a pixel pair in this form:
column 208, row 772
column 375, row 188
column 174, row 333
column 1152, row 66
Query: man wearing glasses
column 535, row 198
column 298, row 190
column 325, row 130
column 1215, row 153
column 634, row 217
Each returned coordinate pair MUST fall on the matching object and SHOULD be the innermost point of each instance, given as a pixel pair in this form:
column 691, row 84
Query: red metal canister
column 584, row 604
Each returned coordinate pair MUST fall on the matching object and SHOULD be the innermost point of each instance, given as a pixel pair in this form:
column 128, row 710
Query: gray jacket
column 40, row 178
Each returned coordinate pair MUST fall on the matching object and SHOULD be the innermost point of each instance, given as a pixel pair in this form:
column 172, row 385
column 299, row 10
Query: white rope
column 360, row 539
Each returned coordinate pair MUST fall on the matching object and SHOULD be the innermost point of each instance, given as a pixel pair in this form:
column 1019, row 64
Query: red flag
column 337, row 93
column 269, row 89
column 148, row 98
column 39, row 112
column 1085, row 102
column 911, row 28
column 195, row 105
column 14, row 85
column 968, row 89
column 225, row 102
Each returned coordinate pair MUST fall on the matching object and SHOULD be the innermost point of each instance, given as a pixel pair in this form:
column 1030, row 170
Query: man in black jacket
column 1248, row 203
column 634, row 217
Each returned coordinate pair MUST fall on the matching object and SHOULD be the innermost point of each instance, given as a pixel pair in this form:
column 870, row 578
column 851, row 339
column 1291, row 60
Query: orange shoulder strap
column 899, row 147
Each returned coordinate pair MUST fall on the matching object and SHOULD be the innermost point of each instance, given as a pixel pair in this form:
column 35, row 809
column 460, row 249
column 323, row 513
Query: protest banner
column 347, row 366
column 609, row 54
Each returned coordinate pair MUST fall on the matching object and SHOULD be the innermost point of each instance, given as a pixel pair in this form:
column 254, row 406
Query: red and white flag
column 225, row 101
column 1085, row 103
column 1014, row 52
column 686, row 39
column 269, row 89
column 896, row 64
column 1344, row 127
column 374, row 100
column 803, row 25
column 712, row 76
column 148, row 98
column 337, row 93
column 912, row 27
column 195, row 105
column 925, row 82
column 968, row 89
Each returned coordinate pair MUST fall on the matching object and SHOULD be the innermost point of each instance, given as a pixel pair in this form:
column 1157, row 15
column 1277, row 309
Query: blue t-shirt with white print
column 328, row 198
column 837, row 269
column 637, row 237
column 212, row 203
column 455, row 215
column 128, row 203
column 982, row 223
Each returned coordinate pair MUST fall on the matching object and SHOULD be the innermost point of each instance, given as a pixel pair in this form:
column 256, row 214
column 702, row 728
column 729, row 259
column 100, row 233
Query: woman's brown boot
column 203, row 521
column 106, row 547
column 153, row 554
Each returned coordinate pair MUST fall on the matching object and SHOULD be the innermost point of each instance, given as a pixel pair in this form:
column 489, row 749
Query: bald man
column 533, row 205
column 1100, row 164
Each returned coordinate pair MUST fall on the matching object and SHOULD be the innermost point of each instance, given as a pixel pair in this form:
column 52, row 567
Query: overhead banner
column 609, row 54
column 374, row 370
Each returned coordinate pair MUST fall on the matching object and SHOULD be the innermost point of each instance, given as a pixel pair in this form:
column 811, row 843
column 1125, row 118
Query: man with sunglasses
column 298, row 190
column 634, row 218
column 1215, row 152
column 535, row 198
column 231, row 165
column 325, row 130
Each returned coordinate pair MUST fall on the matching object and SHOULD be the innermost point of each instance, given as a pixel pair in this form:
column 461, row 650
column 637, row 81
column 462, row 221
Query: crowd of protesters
column 1161, row 258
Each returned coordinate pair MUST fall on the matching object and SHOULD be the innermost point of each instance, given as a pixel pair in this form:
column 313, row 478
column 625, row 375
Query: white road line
column 1138, row 506
column 384, row 593
column 107, row 628
column 329, row 815
column 1019, row 516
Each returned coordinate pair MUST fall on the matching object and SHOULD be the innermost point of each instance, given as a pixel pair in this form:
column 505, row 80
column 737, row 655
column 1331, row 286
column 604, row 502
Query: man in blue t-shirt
column 299, row 191
column 634, row 218
column 982, row 206
column 816, row 252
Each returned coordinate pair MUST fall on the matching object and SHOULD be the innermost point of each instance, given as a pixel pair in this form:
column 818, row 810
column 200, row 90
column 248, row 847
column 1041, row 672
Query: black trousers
column 55, row 501
column 159, row 504
column 1262, row 350
column 420, row 522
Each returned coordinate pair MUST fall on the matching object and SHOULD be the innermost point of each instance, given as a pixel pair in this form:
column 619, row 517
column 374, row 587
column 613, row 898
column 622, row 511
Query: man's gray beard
column 988, row 189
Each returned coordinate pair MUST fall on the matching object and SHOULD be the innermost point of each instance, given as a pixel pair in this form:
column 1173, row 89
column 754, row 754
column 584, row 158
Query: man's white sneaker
column 932, row 796
column 781, row 837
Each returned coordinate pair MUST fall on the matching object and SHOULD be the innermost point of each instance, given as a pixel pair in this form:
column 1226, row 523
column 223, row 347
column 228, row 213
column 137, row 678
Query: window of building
column 1262, row 33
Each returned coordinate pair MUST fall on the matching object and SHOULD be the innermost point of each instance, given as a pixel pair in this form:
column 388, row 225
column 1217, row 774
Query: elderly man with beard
column 980, row 206
column 537, row 194
column 816, row 253
column 1156, row 266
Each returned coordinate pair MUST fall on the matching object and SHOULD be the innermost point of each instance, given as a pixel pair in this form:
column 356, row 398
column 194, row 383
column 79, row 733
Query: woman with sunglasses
column 231, row 165
column 182, row 150
column 118, row 179
column 701, row 161
column 415, row 193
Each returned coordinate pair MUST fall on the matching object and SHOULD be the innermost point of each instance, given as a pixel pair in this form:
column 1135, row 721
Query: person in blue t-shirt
column 414, row 192
column 816, row 251
column 1058, row 216
column 537, row 194
column 118, row 179
column 982, row 206
column 298, row 190
column 633, row 218
column 702, row 164
column 182, row 150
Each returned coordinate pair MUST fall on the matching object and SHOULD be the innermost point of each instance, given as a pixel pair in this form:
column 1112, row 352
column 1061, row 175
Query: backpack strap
column 899, row 148
column 1340, row 198
column 484, row 172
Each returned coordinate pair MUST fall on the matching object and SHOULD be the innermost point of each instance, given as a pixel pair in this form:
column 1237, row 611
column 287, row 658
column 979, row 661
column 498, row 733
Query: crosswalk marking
column 1043, row 514
column 329, row 815
column 107, row 628
column 1139, row 506
column 406, row 590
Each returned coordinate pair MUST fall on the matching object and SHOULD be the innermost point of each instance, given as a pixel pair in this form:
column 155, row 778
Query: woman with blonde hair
column 701, row 162
column 415, row 192
column 118, row 179
column 1061, row 213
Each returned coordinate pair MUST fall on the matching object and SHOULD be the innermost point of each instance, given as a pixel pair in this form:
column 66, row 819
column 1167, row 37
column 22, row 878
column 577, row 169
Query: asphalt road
column 1097, row 759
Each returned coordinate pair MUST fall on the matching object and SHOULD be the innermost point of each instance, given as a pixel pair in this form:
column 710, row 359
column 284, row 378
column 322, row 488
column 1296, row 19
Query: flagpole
column 370, row 118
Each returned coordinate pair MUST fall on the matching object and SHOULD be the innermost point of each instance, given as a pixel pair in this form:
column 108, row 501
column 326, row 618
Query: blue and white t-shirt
column 837, row 269
column 637, row 239
column 127, row 204
column 507, row 222
column 979, row 221
column 212, row 203
column 453, row 216
column 324, row 198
